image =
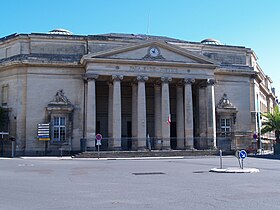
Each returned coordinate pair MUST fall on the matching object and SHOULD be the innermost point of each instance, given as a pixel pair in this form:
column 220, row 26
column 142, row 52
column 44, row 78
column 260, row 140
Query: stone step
column 153, row 153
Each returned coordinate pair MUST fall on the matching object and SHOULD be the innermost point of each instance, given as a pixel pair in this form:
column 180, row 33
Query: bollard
column 221, row 161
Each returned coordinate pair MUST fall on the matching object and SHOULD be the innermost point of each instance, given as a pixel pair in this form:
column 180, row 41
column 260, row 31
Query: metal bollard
column 221, row 161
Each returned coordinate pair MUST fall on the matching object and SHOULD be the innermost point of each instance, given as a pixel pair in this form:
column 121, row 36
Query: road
column 186, row 183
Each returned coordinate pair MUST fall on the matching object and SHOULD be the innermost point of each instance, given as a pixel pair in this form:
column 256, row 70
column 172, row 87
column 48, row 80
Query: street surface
column 52, row 183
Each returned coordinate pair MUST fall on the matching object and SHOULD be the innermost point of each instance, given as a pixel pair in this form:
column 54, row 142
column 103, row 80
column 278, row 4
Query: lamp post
column 259, row 128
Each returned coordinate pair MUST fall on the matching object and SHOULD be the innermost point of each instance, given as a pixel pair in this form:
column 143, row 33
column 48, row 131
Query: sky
column 254, row 24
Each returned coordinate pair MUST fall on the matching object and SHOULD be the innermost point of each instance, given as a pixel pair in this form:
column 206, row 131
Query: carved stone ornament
column 166, row 79
column 189, row 81
column 90, row 77
column 142, row 78
column 225, row 103
column 60, row 98
column 117, row 77
column 210, row 81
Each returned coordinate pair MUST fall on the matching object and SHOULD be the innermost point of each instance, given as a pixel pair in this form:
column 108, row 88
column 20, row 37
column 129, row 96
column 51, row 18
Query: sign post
column 242, row 155
column 44, row 134
column 98, row 138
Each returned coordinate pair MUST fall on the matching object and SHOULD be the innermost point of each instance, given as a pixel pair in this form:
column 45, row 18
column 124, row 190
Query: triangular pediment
column 152, row 51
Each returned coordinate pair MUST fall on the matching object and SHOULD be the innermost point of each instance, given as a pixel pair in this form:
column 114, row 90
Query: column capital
column 166, row 79
column 117, row 77
column 89, row 77
column 210, row 82
column 189, row 81
column 142, row 78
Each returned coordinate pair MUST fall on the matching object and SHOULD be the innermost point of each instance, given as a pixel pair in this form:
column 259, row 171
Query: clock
column 154, row 52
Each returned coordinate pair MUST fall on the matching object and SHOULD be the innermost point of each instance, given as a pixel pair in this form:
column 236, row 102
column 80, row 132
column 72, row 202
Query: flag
column 169, row 119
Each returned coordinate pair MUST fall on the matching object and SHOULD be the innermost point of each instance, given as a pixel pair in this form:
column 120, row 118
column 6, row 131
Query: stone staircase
column 146, row 153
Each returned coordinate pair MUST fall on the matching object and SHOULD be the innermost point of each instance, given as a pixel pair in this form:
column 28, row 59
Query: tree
column 272, row 123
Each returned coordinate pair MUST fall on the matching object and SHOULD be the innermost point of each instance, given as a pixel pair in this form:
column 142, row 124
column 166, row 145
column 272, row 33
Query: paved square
column 51, row 183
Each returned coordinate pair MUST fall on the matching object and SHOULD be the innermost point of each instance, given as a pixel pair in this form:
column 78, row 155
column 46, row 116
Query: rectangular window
column 225, row 126
column 4, row 99
column 59, row 128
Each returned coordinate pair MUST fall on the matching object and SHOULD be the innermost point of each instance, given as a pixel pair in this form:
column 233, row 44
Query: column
column 202, row 142
column 110, row 115
column 134, row 116
column 180, row 116
column 116, row 115
column 91, row 110
column 141, row 112
column 157, row 115
column 211, row 117
column 165, row 111
column 188, row 113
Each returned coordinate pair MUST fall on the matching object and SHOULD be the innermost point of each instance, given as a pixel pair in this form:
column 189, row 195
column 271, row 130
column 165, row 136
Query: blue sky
column 251, row 23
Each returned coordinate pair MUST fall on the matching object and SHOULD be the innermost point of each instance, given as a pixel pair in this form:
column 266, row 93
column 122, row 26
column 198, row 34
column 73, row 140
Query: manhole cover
column 149, row 173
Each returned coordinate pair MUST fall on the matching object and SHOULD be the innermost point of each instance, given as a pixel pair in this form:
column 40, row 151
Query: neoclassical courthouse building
column 139, row 91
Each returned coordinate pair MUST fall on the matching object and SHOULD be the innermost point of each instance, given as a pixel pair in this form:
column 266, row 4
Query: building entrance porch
column 138, row 113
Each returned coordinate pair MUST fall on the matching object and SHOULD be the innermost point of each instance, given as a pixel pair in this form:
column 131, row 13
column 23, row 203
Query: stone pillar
column 157, row 115
column 110, row 115
column 91, row 110
column 188, row 113
column 211, row 117
column 134, row 116
column 141, row 112
column 202, row 142
column 165, row 112
column 180, row 117
column 116, row 117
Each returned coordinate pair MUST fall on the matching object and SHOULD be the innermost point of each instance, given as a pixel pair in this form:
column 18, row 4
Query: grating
column 149, row 173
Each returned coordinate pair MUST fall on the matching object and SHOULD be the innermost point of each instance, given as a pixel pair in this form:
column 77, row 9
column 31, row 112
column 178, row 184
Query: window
column 225, row 126
column 59, row 129
column 5, row 95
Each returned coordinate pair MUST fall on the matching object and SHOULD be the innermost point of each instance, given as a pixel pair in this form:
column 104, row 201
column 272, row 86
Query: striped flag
column 169, row 119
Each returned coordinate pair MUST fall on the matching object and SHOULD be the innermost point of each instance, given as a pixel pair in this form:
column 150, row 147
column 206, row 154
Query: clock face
column 154, row 52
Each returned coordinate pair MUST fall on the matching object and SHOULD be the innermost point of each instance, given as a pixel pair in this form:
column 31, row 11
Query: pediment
column 151, row 51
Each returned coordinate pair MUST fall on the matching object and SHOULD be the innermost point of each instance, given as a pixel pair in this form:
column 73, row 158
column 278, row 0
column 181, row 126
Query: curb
column 234, row 170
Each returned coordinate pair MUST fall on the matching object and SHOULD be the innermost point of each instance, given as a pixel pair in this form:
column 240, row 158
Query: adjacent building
column 59, row 90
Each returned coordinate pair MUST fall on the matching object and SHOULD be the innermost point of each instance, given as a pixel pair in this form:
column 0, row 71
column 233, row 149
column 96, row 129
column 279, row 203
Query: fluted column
column 110, row 115
column 141, row 112
column 188, row 113
column 180, row 116
column 157, row 115
column 134, row 116
column 165, row 111
column 91, row 110
column 116, row 117
column 211, row 117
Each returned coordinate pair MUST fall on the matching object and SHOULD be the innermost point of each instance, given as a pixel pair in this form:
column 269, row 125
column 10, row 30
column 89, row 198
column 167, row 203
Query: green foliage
column 272, row 122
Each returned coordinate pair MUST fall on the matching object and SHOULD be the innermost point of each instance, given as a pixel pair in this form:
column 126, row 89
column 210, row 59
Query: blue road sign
column 242, row 154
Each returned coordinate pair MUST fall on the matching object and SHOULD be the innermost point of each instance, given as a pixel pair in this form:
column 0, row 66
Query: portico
column 131, row 90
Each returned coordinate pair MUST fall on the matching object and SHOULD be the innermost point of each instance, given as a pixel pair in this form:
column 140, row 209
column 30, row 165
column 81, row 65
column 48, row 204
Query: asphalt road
column 137, row 184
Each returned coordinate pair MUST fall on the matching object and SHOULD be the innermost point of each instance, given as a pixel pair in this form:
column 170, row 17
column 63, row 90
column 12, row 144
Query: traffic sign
column 98, row 137
column 255, row 136
column 242, row 154
column 98, row 142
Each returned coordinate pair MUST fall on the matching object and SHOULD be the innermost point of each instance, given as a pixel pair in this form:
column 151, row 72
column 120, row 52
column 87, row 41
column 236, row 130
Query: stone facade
column 138, row 91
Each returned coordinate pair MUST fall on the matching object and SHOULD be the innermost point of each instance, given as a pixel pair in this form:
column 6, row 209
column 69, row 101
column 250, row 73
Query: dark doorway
column 129, row 135
column 104, row 141
column 173, row 135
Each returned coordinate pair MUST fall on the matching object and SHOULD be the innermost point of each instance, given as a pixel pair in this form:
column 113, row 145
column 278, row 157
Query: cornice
column 154, row 63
